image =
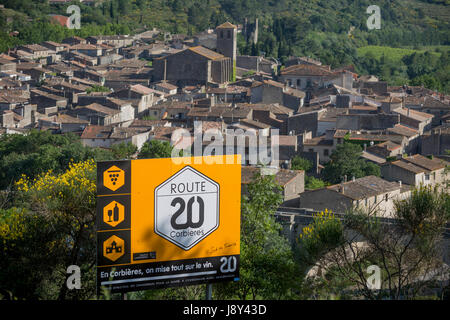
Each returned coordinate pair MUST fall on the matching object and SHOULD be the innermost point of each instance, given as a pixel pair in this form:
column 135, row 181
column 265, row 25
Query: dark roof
column 432, row 103
column 424, row 162
column 383, row 149
column 306, row 70
column 282, row 177
column 205, row 52
column 106, row 132
column 98, row 108
column 318, row 141
column 403, row 130
column 226, row 25
column 365, row 187
column 414, row 114
column 255, row 124
column 408, row 166
column 96, row 132
column 275, row 108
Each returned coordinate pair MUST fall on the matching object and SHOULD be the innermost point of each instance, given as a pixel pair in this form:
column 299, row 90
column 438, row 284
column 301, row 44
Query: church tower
column 227, row 42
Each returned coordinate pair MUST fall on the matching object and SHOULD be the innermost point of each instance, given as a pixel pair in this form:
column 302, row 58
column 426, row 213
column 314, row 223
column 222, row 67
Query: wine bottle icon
column 113, row 213
column 116, row 213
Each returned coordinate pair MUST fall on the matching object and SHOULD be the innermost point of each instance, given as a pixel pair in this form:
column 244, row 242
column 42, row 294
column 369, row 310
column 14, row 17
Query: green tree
column 346, row 161
column 97, row 88
column 299, row 163
column 312, row 183
column 39, row 151
column 267, row 267
column 155, row 149
column 124, row 150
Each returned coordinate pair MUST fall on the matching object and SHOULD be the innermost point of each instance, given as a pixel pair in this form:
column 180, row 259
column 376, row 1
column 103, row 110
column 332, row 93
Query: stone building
column 269, row 91
column 291, row 181
column 368, row 193
column 192, row 66
column 415, row 170
column 436, row 141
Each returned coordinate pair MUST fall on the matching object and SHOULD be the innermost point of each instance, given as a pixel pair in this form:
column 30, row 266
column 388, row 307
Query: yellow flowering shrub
column 54, row 228
column 73, row 189
column 326, row 231
column 12, row 226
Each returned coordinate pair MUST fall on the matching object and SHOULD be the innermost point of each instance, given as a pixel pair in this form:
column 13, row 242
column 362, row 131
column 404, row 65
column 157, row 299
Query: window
column 386, row 197
column 229, row 34
column 325, row 152
column 299, row 82
column 311, row 150
column 221, row 34
column 375, row 199
column 427, row 177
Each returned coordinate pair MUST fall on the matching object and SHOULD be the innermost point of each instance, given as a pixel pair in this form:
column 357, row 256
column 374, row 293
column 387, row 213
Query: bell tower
column 227, row 44
column 227, row 40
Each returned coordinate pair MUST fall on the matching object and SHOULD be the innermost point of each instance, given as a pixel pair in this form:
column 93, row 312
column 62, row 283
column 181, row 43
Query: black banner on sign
column 164, row 274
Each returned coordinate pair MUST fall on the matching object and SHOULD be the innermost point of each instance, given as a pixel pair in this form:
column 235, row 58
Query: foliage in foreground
column 51, row 228
column 408, row 251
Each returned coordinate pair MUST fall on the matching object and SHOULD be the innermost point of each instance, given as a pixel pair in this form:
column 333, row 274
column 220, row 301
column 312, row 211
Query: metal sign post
column 208, row 291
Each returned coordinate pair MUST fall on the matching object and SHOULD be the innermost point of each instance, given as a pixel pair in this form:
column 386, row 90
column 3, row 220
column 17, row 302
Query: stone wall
column 303, row 122
column 366, row 121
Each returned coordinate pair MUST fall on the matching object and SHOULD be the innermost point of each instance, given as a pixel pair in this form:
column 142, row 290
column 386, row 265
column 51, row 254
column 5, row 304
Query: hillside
column 315, row 28
column 397, row 54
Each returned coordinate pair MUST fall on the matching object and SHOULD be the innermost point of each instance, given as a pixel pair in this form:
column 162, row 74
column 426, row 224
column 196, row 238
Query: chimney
column 165, row 69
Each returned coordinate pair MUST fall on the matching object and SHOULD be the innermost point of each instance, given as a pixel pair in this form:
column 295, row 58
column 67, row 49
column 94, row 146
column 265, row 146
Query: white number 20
column 228, row 264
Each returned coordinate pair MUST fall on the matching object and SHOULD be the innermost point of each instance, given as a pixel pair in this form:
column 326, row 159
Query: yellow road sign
column 183, row 225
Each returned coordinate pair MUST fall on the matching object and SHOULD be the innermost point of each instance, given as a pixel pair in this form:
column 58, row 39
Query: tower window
column 221, row 34
column 229, row 34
